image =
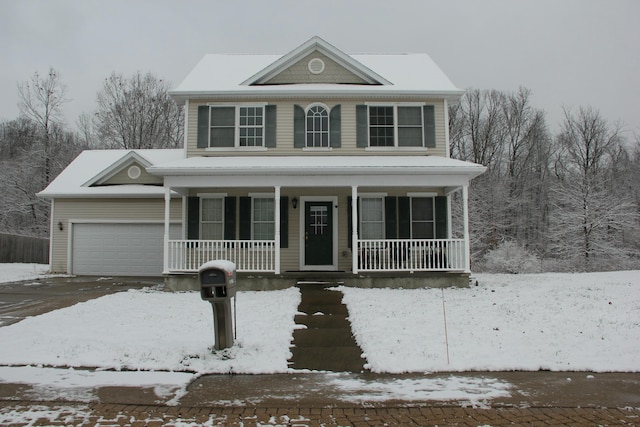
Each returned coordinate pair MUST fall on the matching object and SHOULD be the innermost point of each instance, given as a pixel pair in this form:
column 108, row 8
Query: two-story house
column 315, row 161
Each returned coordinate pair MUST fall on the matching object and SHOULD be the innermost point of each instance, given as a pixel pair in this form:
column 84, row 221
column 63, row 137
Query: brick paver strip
column 22, row 413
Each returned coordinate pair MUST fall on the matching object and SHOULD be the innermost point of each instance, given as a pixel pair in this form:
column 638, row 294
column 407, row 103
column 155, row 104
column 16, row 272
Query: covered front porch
column 325, row 216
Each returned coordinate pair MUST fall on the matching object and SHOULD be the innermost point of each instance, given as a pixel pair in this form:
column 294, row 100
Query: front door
column 318, row 233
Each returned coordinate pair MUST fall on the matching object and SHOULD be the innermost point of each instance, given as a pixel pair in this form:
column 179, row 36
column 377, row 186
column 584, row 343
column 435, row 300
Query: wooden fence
column 14, row 248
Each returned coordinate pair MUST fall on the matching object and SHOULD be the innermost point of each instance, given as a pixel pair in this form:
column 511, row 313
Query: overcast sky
column 568, row 52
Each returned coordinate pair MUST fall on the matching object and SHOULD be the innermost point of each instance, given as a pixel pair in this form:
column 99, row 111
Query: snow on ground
column 155, row 330
column 77, row 385
column 17, row 272
column 508, row 322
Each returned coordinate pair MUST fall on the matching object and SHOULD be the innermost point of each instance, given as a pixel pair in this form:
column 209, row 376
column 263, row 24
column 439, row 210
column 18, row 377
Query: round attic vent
column 134, row 172
column 316, row 65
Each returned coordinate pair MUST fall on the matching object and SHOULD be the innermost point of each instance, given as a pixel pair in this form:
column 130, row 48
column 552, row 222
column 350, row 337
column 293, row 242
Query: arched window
column 317, row 126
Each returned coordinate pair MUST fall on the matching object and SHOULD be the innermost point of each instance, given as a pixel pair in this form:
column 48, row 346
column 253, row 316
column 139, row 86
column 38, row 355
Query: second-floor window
column 317, row 127
column 236, row 126
column 395, row 125
column 391, row 126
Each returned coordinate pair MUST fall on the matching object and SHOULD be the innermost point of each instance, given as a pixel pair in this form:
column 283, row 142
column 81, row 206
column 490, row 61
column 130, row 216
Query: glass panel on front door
column 318, row 233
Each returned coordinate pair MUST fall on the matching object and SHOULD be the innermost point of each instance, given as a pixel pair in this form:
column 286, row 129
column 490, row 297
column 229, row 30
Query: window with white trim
column 263, row 218
column 396, row 126
column 317, row 127
column 371, row 217
column 423, row 224
column 236, row 126
column 212, row 218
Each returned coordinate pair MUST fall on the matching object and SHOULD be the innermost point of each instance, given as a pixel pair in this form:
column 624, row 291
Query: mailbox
column 217, row 280
column 217, row 286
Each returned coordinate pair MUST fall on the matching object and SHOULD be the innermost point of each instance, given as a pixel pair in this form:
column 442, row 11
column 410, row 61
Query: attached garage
column 119, row 249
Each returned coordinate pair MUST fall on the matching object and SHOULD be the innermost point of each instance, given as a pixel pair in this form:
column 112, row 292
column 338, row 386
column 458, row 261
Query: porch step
column 326, row 342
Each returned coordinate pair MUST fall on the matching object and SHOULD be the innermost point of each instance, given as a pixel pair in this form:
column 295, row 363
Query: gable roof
column 229, row 75
column 111, row 170
column 316, row 44
column 95, row 166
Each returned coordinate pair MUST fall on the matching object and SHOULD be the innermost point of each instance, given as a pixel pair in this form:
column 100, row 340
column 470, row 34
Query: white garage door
column 118, row 249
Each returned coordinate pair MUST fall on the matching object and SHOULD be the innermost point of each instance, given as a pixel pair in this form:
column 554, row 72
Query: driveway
column 34, row 297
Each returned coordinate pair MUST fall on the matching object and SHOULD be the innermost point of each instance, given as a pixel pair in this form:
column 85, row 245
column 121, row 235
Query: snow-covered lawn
column 508, row 322
column 156, row 330
column 16, row 272
column 558, row 322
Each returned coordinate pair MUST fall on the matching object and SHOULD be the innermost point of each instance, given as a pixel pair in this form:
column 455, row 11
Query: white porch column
column 465, row 223
column 167, row 225
column 277, row 224
column 354, row 228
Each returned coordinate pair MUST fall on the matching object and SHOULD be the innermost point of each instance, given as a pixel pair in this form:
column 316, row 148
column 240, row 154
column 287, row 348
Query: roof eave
column 181, row 96
column 471, row 171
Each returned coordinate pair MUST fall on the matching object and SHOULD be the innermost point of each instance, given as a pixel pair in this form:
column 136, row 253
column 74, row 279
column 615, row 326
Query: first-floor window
column 371, row 218
column 263, row 218
column 422, row 218
column 212, row 218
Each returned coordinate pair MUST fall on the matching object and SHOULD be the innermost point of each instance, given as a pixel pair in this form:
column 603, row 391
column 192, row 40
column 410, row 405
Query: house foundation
column 259, row 282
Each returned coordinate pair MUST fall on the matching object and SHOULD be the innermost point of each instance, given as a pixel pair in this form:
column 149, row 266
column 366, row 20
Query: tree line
column 563, row 201
column 131, row 113
column 567, row 201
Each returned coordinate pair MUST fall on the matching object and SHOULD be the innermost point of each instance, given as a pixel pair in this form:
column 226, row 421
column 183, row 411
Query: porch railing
column 411, row 255
column 248, row 255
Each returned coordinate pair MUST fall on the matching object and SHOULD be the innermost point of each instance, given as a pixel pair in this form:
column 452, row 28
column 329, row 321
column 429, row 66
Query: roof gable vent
column 316, row 65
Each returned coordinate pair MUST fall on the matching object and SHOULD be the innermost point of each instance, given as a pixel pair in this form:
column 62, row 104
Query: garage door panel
column 119, row 249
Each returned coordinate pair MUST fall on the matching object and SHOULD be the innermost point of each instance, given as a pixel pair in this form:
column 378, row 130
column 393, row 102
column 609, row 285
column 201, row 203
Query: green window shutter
column 284, row 222
column 299, row 136
column 442, row 218
column 245, row 218
column 203, row 126
column 429, row 126
column 335, row 126
column 270, row 126
column 391, row 217
column 193, row 218
column 230, row 218
column 362, row 126
column 404, row 217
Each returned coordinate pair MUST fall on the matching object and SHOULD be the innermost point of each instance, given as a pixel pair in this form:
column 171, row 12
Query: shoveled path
column 323, row 340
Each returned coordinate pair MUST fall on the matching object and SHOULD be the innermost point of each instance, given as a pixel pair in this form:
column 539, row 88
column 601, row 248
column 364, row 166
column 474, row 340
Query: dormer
column 316, row 62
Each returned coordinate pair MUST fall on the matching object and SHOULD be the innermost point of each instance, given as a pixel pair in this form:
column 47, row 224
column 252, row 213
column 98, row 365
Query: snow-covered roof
column 219, row 75
column 90, row 165
column 314, row 165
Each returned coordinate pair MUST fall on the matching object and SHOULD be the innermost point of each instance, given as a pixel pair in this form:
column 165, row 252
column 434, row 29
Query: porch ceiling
column 317, row 171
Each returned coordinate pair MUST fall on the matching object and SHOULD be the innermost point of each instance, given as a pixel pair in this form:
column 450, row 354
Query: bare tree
column 41, row 100
column 138, row 113
column 588, row 216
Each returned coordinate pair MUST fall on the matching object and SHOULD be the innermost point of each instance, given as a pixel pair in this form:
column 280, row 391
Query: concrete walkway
column 323, row 340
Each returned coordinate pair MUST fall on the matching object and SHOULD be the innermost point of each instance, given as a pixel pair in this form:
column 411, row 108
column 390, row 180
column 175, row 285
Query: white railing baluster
column 411, row 255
